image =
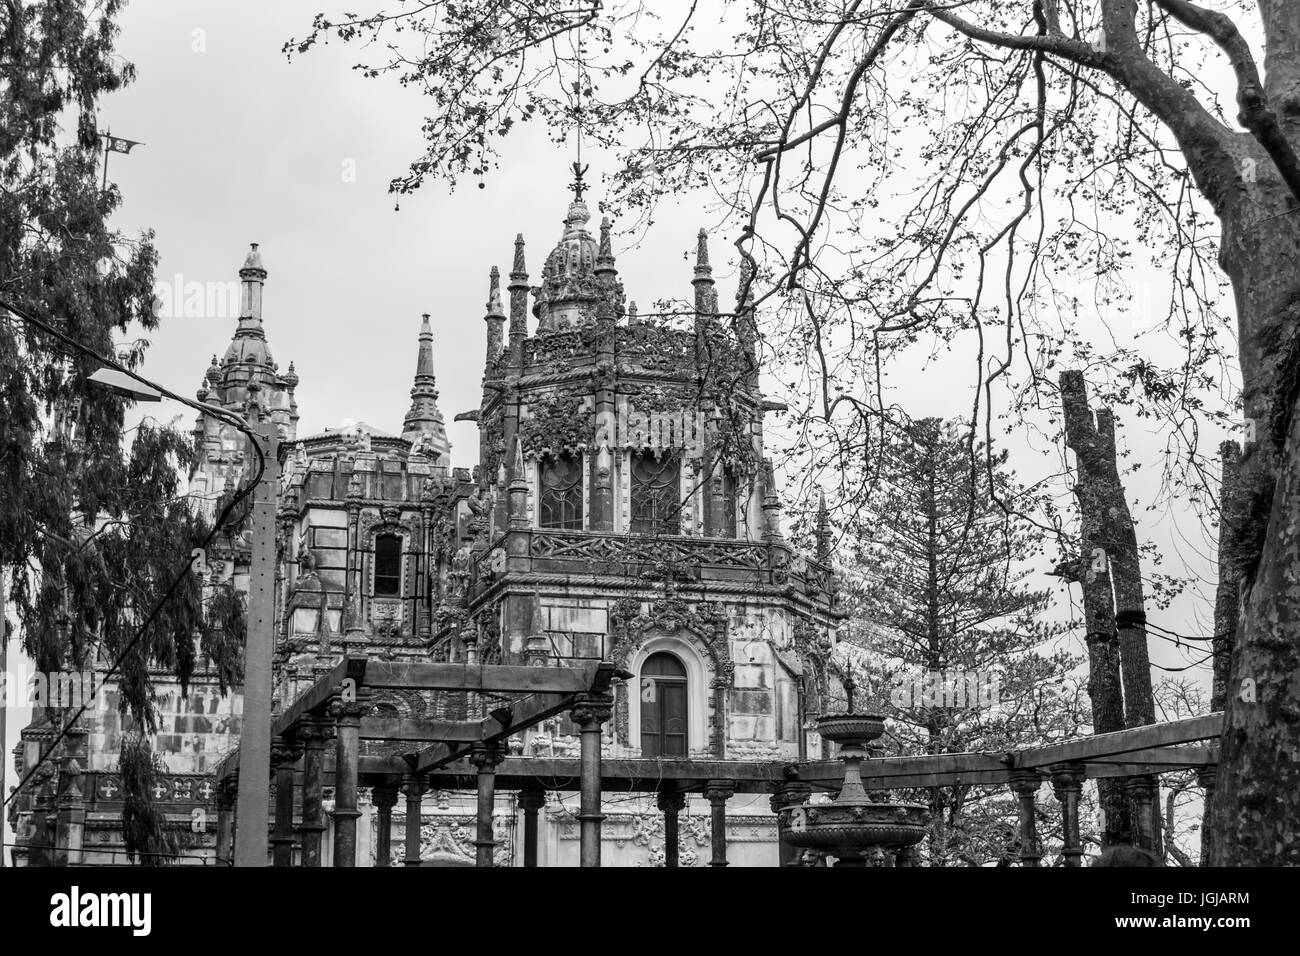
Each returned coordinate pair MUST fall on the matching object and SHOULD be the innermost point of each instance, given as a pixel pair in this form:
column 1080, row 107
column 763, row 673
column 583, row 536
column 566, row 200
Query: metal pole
column 255, row 734
column 4, row 710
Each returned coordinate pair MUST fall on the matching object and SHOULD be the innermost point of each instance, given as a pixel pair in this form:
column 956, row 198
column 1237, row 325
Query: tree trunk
column 1256, row 809
column 1092, row 571
column 1227, row 600
column 1257, row 795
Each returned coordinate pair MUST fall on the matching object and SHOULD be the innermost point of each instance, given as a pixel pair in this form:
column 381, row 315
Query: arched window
column 561, row 493
column 656, row 494
column 388, row 565
column 663, row 706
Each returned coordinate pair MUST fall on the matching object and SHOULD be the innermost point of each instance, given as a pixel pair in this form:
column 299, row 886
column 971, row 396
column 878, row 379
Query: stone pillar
column 530, row 801
column 226, row 791
column 284, row 757
column 1206, row 777
column 384, row 797
column 718, row 792
column 1142, row 791
column 414, row 790
column 485, row 758
column 671, row 803
column 1025, row 784
column 313, row 735
column 589, row 712
column 1067, row 784
column 347, row 729
column 791, row 793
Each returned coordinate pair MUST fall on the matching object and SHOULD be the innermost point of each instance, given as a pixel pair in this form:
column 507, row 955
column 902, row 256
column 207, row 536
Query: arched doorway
column 663, row 706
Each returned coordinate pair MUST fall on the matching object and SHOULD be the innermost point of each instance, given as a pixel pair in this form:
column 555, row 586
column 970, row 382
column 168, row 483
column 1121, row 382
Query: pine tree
column 959, row 650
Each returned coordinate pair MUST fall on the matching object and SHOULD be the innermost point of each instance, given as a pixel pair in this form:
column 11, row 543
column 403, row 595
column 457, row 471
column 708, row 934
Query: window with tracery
column 560, row 499
column 656, row 493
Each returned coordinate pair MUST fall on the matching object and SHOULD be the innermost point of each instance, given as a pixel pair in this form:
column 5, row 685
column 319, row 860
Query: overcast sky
column 242, row 146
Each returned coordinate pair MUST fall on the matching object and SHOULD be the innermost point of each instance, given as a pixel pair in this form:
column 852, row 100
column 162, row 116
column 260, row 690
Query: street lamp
column 251, row 807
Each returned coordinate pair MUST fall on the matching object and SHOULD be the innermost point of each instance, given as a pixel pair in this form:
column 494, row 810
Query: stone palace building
column 621, row 509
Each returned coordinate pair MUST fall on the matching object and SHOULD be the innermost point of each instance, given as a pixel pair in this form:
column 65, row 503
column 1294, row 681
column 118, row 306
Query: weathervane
column 578, row 185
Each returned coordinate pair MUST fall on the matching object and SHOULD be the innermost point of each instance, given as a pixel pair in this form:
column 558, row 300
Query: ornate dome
column 569, row 275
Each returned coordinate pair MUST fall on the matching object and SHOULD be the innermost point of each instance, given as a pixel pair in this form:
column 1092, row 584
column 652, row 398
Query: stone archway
column 704, row 627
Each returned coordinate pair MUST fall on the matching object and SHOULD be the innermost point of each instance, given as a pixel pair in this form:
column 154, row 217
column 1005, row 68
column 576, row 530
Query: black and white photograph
column 649, row 434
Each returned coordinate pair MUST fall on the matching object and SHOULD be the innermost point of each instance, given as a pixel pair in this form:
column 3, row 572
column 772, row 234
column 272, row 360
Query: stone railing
column 631, row 555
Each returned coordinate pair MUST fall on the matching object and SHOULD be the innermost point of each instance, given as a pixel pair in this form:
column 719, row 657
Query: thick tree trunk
column 1257, row 796
column 1256, row 809
column 1092, row 571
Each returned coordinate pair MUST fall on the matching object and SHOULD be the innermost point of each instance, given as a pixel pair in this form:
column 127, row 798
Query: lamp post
column 252, row 802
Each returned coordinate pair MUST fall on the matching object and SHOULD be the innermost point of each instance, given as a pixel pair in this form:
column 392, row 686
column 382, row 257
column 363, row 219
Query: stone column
column 313, row 735
column 671, row 803
column 589, row 712
column 791, row 793
column 1142, row 791
column 414, row 790
column 384, row 797
column 485, row 758
column 1067, row 784
column 530, row 801
column 1206, row 777
column 718, row 792
column 1025, row 784
column 284, row 757
column 347, row 728
column 226, row 791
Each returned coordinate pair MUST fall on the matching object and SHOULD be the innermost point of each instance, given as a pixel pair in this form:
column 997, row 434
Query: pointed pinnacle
column 494, row 307
column 519, row 270
column 702, row 266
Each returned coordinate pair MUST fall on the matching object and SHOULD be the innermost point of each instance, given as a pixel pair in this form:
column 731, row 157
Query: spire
column 495, row 317
column 631, row 314
column 518, row 294
column 611, row 289
column 706, row 302
column 423, row 418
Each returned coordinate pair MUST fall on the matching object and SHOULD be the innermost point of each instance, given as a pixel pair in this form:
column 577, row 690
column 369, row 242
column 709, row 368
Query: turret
column 706, row 299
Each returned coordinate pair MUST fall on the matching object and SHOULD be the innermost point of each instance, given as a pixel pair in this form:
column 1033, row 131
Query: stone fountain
column 854, row 828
